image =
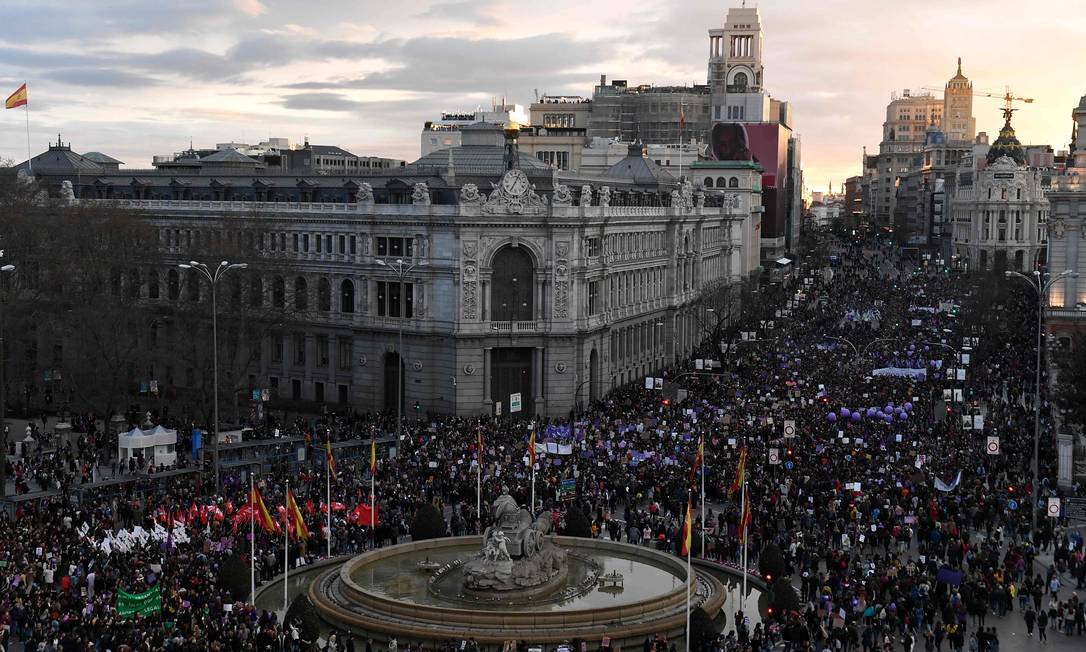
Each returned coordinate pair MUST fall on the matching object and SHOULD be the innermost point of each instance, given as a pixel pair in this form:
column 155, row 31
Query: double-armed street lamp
column 213, row 277
column 1038, row 283
column 401, row 270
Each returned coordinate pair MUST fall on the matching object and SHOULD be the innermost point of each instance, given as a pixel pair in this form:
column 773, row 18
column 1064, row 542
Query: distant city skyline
column 134, row 79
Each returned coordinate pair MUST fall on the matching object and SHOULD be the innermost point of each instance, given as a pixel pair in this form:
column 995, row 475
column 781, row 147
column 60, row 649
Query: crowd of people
column 896, row 524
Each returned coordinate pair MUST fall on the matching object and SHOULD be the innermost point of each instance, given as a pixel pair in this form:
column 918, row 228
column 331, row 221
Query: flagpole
column 286, row 548
column 682, row 123
column 703, row 524
column 689, row 552
column 252, row 537
column 328, row 494
column 479, row 478
column 743, row 536
column 26, row 107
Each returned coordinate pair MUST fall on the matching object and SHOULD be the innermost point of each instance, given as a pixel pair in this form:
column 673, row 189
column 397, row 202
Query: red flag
column 531, row 449
column 744, row 521
column 479, row 445
column 699, row 457
column 740, row 472
column 688, row 527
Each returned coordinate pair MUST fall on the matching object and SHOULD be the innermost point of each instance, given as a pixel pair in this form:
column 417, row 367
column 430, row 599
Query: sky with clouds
column 134, row 78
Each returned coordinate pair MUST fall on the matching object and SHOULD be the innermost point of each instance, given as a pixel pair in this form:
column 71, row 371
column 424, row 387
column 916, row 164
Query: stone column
column 537, row 379
column 1064, row 451
column 486, row 380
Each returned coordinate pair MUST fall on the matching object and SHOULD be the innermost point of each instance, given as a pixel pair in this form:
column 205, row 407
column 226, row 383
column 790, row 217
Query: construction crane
column 1008, row 98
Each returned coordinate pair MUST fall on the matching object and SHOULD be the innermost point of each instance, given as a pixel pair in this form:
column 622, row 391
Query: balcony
column 516, row 326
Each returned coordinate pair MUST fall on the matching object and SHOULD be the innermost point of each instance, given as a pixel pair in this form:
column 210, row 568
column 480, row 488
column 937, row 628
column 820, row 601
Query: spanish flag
column 531, row 449
column 373, row 455
column 698, row 459
column 18, row 98
column 295, row 518
column 328, row 459
column 740, row 472
column 688, row 528
column 256, row 503
column 744, row 522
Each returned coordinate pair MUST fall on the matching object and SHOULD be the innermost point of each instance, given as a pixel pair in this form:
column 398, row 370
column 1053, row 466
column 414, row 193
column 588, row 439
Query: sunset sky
column 133, row 78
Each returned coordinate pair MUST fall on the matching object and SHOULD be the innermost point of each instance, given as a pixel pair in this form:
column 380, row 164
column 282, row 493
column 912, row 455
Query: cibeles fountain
column 520, row 581
column 518, row 560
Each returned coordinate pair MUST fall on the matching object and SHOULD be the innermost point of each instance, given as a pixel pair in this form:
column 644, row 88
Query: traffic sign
column 993, row 446
column 1012, row 505
column 774, row 456
column 1053, row 508
column 789, row 428
column 788, row 465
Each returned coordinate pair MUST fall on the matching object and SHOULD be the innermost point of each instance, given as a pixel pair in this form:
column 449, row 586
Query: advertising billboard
column 765, row 143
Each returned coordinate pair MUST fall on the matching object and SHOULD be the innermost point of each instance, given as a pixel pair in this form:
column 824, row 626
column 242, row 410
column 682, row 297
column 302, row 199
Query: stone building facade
column 517, row 278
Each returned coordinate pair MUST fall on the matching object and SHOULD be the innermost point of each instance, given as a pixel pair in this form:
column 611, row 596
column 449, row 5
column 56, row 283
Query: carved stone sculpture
column 605, row 196
column 67, row 195
column 470, row 196
column 699, row 197
column 586, row 195
column 420, row 195
column 1057, row 228
column 562, row 196
column 515, row 555
column 365, row 194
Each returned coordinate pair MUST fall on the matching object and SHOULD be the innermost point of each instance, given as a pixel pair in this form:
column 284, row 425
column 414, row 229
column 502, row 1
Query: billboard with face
column 765, row 143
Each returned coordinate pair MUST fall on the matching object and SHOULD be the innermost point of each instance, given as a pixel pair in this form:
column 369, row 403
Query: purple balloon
column 889, row 418
column 845, row 412
column 903, row 416
column 831, row 417
column 871, row 412
column 889, row 407
column 908, row 407
column 856, row 416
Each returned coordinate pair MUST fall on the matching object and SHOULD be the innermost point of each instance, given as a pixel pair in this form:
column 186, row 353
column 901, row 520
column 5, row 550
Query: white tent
column 156, row 446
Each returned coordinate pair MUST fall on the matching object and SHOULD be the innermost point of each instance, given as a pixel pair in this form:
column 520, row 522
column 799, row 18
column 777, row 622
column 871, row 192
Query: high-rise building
column 958, row 121
column 735, row 69
column 1067, row 236
column 907, row 119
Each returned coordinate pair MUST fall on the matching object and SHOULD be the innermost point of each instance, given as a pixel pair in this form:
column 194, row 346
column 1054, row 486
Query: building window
column 277, row 348
column 395, row 247
column 322, row 351
column 295, row 238
column 299, row 348
column 345, row 348
column 593, row 247
column 296, row 389
column 395, row 299
column 320, row 242
column 593, row 297
column 354, row 245
column 324, row 295
column 346, row 296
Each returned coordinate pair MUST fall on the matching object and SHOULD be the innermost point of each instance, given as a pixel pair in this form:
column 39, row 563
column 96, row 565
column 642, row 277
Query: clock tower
column 735, row 68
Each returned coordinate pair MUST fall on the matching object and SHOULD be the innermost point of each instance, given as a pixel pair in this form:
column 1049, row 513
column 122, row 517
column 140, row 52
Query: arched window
column 133, row 289
column 733, row 182
column 721, row 182
column 279, row 291
column 324, row 295
column 301, row 294
column 192, row 286
column 173, row 285
column 256, row 291
column 152, row 284
column 708, row 182
column 346, row 296
column 740, row 81
column 512, row 285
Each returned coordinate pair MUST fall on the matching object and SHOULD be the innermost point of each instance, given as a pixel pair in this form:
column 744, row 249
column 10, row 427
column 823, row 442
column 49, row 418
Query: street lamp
column 213, row 278
column 3, row 402
column 1038, row 284
column 400, row 269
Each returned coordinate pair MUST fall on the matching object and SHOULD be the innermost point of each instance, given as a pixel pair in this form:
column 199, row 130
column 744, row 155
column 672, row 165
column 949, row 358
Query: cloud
column 469, row 11
column 101, row 77
column 321, row 102
column 250, row 7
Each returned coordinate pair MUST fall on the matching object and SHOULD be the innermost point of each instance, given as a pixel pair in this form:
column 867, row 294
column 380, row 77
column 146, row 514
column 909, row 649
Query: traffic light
column 769, row 611
column 1010, row 489
column 788, row 452
column 418, row 406
column 769, row 579
column 665, row 402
